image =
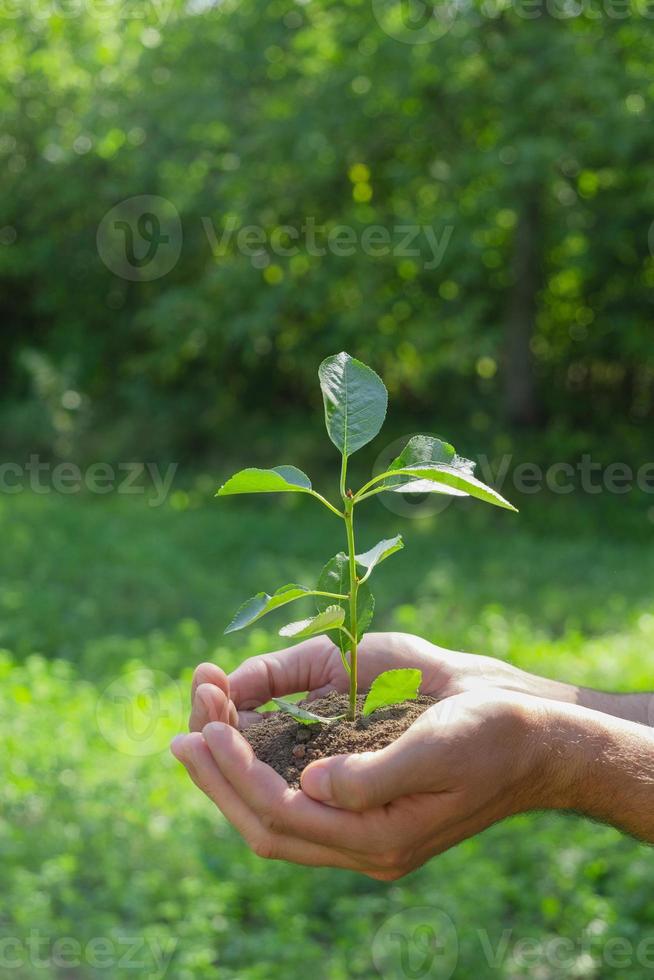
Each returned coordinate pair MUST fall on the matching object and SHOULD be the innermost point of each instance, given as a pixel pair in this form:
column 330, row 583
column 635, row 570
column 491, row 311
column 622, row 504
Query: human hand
column 467, row 762
column 315, row 666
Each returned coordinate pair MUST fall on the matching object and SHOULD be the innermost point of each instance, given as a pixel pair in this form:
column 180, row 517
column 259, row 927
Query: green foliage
column 332, row 618
column 392, row 687
column 262, row 603
column 98, row 843
column 380, row 552
column 279, row 479
column 335, row 577
column 355, row 400
column 321, row 113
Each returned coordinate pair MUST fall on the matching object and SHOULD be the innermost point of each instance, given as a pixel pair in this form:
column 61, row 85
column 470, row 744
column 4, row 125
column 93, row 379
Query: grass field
column 114, row 865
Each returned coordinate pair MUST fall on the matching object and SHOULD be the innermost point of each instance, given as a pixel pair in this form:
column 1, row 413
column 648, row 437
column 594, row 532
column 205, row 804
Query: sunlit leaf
column 262, row 603
column 279, row 479
column 392, row 687
column 380, row 552
column 355, row 400
column 459, row 482
column 332, row 616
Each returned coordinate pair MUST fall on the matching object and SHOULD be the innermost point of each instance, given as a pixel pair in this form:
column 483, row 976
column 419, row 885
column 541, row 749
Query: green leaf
column 458, row 481
column 335, row 577
column 355, row 401
column 262, row 603
column 332, row 616
column 279, row 479
column 380, row 552
column 392, row 687
column 302, row 715
column 423, row 449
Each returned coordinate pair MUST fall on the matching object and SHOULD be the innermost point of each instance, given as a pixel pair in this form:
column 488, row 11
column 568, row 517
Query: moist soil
column 289, row 746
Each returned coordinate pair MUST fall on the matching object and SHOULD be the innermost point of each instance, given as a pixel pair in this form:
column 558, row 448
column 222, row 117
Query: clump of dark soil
column 288, row 746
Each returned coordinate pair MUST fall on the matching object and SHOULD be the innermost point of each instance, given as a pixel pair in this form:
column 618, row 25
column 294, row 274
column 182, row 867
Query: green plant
column 355, row 400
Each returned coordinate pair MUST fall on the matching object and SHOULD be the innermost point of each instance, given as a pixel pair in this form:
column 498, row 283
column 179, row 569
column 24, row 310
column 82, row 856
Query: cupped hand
column 315, row 666
column 467, row 762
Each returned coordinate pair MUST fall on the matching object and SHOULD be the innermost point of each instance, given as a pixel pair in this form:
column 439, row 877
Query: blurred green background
column 176, row 178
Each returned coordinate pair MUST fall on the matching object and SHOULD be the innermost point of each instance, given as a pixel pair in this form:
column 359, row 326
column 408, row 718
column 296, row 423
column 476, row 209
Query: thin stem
column 319, row 496
column 370, row 493
column 329, row 595
column 354, row 585
column 343, row 476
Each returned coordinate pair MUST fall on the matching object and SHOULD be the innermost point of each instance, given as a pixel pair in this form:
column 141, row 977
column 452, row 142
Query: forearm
column 631, row 707
column 600, row 766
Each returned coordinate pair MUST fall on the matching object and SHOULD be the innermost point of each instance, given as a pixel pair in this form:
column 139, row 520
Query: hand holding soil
column 498, row 742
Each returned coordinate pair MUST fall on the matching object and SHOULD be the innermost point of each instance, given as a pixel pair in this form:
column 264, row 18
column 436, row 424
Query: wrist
column 591, row 761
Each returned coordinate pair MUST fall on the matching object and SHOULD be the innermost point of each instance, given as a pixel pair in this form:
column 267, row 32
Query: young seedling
column 355, row 400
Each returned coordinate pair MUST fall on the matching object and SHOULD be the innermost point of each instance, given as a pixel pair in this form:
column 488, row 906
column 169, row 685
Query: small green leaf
column 355, row 400
column 392, row 687
column 262, row 603
column 380, row 552
column 302, row 715
column 279, row 479
column 335, row 577
column 458, row 481
column 332, row 616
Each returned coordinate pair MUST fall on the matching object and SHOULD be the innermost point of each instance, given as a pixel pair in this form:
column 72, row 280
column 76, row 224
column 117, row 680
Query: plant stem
column 354, row 586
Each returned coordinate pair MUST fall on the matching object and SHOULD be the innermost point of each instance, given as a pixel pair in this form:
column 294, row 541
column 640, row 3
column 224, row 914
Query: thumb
column 370, row 779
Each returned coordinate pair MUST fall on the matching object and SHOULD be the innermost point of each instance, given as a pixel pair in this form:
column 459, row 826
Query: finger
column 193, row 752
column 282, row 810
column 210, row 703
column 208, row 673
column 305, row 667
column 248, row 718
column 362, row 781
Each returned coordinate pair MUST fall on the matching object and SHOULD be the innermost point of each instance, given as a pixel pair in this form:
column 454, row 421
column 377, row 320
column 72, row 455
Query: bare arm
column 605, row 768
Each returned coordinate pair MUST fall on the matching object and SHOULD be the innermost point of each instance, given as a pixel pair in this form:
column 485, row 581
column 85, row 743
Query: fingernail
column 176, row 745
column 316, row 783
column 213, row 728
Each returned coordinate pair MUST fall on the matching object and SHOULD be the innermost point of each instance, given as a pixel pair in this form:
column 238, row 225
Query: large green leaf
column 423, row 449
column 279, row 479
column 335, row 577
column 392, row 687
column 355, row 401
column 302, row 715
column 380, row 552
column 331, row 617
column 262, row 603
column 457, row 481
